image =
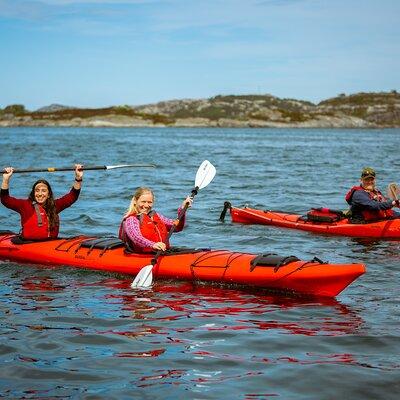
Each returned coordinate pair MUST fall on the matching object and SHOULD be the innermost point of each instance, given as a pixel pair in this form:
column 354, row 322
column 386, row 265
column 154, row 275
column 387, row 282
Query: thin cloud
column 45, row 9
column 111, row 2
column 23, row 10
column 279, row 2
column 174, row 48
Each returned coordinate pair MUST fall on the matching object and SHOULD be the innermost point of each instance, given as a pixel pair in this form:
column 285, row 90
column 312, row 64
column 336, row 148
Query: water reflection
column 37, row 288
column 179, row 324
column 170, row 308
column 220, row 309
column 366, row 245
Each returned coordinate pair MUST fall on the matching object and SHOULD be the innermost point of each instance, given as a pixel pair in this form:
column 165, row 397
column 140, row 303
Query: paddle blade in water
column 144, row 278
column 205, row 174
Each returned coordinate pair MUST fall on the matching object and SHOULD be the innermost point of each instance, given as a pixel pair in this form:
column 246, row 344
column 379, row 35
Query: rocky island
column 360, row 110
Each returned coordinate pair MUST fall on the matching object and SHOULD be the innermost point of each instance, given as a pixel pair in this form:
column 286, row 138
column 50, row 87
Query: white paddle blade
column 129, row 166
column 393, row 191
column 144, row 278
column 205, row 174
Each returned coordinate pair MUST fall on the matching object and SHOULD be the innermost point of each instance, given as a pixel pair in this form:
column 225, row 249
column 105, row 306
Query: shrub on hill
column 15, row 109
column 362, row 99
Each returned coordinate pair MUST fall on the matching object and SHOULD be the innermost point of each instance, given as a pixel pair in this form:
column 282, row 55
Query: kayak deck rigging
column 268, row 271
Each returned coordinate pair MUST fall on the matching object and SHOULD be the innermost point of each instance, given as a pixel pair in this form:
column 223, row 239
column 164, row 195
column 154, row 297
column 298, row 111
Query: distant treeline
column 19, row 110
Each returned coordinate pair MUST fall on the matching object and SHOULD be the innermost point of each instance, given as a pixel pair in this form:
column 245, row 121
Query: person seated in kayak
column 367, row 203
column 39, row 212
column 145, row 230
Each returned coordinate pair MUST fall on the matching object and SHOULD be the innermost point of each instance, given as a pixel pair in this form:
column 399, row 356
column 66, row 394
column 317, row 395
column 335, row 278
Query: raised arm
column 8, row 171
column 78, row 176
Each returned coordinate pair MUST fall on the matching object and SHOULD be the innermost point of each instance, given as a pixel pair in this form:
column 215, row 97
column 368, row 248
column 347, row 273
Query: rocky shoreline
column 361, row 110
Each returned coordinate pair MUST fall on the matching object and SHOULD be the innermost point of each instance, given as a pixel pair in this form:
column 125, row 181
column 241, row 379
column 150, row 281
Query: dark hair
column 48, row 205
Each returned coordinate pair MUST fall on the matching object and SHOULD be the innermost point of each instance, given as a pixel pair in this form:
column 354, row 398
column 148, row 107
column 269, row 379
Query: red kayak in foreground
column 268, row 271
column 385, row 229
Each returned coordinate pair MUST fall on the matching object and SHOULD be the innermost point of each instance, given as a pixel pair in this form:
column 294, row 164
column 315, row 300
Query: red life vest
column 151, row 227
column 36, row 227
column 370, row 215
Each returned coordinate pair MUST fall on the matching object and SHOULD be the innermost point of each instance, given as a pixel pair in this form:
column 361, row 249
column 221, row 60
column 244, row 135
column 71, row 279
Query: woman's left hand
column 78, row 172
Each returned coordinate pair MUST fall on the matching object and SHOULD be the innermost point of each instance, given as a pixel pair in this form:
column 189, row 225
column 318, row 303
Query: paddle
column 85, row 168
column 205, row 174
column 393, row 191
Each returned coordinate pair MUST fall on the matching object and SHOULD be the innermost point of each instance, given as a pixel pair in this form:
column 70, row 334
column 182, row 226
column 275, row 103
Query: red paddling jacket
column 369, row 206
column 34, row 221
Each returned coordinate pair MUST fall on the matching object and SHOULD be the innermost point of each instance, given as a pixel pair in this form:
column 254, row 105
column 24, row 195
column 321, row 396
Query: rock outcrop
column 361, row 110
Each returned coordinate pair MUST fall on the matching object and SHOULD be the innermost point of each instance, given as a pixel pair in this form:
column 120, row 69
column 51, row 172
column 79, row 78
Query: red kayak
column 385, row 229
column 268, row 271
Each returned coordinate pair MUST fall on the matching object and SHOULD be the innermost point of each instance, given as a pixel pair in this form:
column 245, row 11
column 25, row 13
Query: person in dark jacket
column 367, row 203
column 39, row 212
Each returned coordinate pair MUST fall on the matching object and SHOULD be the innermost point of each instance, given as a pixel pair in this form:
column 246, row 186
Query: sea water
column 73, row 334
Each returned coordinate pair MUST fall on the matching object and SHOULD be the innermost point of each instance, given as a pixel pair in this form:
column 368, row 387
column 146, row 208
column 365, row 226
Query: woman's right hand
column 7, row 172
column 159, row 246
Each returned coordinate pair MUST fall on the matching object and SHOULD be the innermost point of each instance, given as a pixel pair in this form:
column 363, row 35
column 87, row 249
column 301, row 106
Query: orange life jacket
column 370, row 215
column 151, row 227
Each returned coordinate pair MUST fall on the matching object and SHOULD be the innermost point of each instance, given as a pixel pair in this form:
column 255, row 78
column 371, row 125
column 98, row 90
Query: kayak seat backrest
column 271, row 260
column 6, row 232
column 20, row 240
column 173, row 250
column 107, row 243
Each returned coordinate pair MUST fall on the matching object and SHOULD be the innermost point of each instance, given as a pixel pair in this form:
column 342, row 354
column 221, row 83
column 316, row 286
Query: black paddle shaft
column 51, row 169
column 85, row 168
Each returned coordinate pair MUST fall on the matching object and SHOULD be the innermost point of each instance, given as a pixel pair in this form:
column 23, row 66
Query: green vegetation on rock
column 14, row 109
column 356, row 110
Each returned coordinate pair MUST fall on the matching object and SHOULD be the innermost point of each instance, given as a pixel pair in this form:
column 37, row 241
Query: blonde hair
column 138, row 192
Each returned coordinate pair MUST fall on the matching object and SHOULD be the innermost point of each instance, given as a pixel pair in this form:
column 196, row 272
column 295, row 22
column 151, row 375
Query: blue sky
column 97, row 53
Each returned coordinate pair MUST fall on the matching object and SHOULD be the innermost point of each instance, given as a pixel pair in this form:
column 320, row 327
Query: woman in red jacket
column 39, row 212
column 145, row 230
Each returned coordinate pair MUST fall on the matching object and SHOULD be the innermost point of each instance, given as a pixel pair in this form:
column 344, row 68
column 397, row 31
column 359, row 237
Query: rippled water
column 71, row 334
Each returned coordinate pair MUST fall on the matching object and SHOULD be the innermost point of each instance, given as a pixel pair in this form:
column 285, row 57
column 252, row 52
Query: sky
column 98, row 53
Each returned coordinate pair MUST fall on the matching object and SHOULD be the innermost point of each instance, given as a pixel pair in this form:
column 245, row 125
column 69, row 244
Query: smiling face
column 144, row 203
column 41, row 193
column 368, row 183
